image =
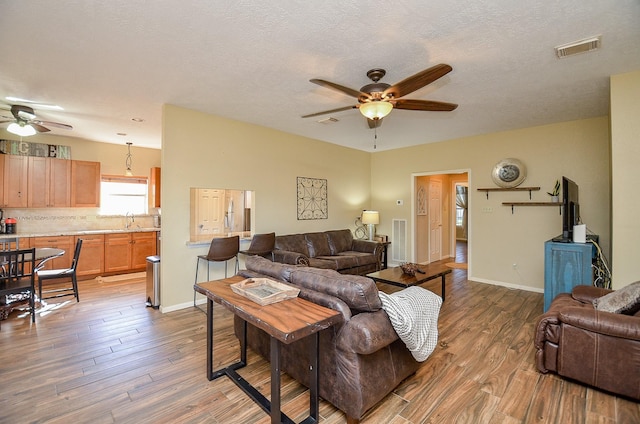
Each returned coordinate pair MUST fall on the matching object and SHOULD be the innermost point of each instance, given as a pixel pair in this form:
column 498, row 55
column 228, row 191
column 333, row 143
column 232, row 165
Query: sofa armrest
column 366, row 246
column 607, row 323
column 288, row 257
column 586, row 294
column 366, row 333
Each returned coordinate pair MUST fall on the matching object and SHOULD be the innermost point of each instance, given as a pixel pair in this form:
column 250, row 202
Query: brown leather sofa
column 335, row 249
column 601, row 349
column 361, row 359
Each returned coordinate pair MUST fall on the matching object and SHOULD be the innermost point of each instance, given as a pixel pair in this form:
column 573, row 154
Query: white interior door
column 435, row 220
column 210, row 214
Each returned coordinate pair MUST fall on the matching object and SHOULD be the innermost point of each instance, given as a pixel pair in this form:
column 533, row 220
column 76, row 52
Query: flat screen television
column 570, row 210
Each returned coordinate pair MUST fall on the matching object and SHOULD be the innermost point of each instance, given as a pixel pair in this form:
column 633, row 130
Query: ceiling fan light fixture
column 23, row 130
column 376, row 109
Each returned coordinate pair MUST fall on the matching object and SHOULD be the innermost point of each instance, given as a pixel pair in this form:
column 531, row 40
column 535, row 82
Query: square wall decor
column 312, row 198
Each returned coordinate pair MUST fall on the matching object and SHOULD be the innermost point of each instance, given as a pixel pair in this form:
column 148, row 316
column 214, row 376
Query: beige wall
column 201, row 150
column 625, row 153
column 110, row 156
column 499, row 239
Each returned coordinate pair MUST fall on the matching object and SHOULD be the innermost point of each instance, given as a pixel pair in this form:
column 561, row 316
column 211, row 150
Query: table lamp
column 371, row 218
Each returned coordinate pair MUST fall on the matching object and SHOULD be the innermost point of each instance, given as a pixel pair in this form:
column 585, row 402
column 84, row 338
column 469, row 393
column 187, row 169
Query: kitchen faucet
column 129, row 216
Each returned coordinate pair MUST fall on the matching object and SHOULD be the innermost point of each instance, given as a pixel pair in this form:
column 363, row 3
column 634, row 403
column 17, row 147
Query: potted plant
column 555, row 193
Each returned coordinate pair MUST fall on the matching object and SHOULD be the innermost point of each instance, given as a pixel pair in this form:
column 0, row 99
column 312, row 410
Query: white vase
column 555, row 199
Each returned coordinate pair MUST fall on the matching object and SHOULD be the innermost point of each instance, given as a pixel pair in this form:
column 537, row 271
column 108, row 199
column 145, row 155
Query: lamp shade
column 377, row 109
column 370, row 217
column 21, row 130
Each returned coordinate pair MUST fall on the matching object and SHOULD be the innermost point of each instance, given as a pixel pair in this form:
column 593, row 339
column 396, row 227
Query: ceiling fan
column 376, row 100
column 24, row 122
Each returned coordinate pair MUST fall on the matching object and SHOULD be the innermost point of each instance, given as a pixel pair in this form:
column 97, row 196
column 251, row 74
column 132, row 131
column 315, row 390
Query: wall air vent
column 328, row 120
column 577, row 47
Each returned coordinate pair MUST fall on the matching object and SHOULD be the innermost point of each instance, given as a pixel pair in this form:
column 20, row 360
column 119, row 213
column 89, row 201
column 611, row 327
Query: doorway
column 440, row 215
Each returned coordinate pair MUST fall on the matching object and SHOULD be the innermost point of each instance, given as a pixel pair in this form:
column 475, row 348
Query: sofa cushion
column 359, row 293
column 623, row 301
column 360, row 257
column 272, row 269
column 341, row 262
column 317, row 244
column 292, row 243
column 340, row 240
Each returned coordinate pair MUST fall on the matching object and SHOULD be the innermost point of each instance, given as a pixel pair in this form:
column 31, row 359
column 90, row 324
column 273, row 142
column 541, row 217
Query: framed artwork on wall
column 312, row 198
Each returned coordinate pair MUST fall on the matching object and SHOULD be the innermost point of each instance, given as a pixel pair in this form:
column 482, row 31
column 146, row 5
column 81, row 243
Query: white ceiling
column 106, row 62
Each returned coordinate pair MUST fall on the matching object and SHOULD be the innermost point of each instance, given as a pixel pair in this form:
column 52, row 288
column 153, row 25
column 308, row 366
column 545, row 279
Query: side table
column 285, row 322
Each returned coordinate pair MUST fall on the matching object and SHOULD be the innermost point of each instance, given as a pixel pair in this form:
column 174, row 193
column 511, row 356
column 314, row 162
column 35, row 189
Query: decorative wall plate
column 509, row 173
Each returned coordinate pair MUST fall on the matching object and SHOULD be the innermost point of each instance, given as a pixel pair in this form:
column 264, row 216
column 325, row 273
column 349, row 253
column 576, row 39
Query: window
column 119, row 195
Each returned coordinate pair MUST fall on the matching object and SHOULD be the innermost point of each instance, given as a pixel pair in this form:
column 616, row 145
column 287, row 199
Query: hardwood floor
column 111, row 359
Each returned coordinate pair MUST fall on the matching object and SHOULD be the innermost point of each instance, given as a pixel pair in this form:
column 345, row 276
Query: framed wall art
column 312, row 198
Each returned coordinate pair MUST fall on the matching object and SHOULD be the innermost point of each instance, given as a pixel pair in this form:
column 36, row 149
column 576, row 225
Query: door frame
column 452, row 211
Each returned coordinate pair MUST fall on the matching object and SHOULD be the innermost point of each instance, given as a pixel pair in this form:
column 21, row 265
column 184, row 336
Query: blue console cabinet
column 566, row 265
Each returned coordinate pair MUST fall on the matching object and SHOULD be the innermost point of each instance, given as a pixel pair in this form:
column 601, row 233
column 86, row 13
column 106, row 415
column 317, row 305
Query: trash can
column 153, row 281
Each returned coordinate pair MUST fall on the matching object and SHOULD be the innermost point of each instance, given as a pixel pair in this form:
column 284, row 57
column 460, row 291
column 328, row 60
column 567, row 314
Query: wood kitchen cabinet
column 67, row 243
column 85, row 184
column 91, row 255
column 49, row 183
column 154, row 188
column 15, row 170
column 128, row 251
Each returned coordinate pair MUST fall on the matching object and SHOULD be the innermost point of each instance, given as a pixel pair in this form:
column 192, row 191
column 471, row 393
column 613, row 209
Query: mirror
column 220, row 213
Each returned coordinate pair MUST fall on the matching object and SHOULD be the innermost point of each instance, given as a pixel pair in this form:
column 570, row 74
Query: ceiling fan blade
column 53, row 124
column 374, row 123
column 7, row 120
column 340, row 109
column 428, row 105
column 419, row 80
column 346, row 90
column 39, row 127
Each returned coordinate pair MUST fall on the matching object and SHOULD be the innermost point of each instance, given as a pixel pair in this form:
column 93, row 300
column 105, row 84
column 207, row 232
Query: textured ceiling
column 106, row 62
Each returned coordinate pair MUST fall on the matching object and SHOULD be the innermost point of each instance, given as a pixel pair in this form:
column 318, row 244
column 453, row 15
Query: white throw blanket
column 414, row 315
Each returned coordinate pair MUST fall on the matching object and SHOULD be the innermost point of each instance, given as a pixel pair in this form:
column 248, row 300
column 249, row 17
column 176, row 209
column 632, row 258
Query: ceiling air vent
column 577, row 47
column 328, row 120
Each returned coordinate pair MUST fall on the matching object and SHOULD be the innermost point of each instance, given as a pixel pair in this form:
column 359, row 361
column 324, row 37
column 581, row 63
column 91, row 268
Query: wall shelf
column 513, row 204
column 529, row 189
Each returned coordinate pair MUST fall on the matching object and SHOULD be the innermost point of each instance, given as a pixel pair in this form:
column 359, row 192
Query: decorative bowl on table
column 409, row 268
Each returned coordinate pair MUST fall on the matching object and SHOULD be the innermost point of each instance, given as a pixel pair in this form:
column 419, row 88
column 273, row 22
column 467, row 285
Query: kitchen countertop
column 77, row 232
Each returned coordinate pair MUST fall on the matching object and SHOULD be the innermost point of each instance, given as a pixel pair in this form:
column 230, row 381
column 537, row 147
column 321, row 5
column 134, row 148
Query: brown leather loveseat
column 577, row 341
column 361, row 359
column 334, row 249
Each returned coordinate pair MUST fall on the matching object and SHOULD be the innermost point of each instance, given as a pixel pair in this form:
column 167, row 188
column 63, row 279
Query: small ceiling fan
column 376, row 100
column 25, row 122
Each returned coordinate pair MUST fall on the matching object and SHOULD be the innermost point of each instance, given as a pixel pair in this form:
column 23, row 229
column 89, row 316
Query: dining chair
column 16, row 277
column 221, row 249
column 261, row 245
column 11, row 243
column 63, row 275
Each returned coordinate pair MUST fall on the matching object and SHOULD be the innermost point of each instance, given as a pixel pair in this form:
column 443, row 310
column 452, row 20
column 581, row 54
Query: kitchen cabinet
column 66, row 243
column 154, row 188
column 49, row 183
column 15, row 170
column 128, row 251
column 143, row 245
column 85, row 184
column 91, row 260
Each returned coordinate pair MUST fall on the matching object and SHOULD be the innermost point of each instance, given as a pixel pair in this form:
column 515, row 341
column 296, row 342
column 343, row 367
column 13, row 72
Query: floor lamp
column 371, row 218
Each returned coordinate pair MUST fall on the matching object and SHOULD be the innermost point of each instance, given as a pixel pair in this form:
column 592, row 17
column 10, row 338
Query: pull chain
column 375, row 136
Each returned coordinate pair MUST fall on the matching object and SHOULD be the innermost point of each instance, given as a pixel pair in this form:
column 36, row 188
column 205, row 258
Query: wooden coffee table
column 395, row 277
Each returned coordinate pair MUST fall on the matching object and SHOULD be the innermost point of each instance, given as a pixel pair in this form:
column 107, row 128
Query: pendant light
column 127, row 162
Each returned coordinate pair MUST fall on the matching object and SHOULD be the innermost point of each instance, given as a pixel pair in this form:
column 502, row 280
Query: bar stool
column 261, row 245
column 221, row 249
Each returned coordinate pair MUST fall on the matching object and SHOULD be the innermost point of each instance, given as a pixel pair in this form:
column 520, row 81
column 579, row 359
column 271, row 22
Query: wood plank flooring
column 110, row 359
